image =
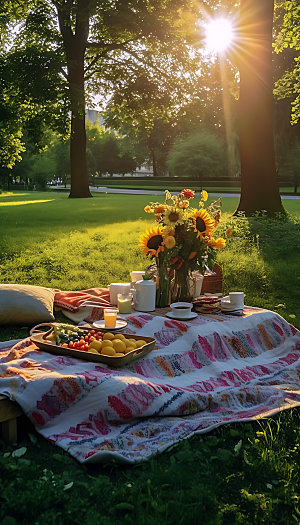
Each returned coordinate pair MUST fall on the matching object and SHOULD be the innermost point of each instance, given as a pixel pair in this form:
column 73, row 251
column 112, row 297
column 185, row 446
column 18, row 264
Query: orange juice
column 110, row 317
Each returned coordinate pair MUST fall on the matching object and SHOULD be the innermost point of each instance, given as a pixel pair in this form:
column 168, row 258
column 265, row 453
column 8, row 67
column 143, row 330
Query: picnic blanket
column 203, row 373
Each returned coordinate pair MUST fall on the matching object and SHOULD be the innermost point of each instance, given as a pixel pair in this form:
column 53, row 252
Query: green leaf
column 246, row 459
column 124, row 506
column 69, row 485
column 238, row 446
column 19, row 452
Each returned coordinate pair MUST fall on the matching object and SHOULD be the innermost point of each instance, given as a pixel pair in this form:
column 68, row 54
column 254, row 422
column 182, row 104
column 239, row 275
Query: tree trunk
column 259, row 184
column 78, row 164
column 75, row 46
column 154, row 164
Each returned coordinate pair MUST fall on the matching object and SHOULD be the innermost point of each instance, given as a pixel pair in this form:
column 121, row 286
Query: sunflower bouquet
column 182, row 241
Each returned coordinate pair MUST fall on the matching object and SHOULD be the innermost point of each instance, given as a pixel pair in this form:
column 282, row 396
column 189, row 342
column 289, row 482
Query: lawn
column 242, row 473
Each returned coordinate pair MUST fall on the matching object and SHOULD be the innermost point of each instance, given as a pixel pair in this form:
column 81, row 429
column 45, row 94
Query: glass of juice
column 124, row 303
column 110, row 317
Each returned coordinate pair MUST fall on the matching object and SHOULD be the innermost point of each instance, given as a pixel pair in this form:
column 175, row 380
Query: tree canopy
column 289, row 38
column 143, row 58
column 86, row 38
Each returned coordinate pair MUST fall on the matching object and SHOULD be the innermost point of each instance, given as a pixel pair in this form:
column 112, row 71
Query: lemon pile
column 115, row 345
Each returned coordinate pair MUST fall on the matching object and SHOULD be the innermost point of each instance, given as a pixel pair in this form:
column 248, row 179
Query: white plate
column 120, row 323
column 191, row 316
column 231, row 311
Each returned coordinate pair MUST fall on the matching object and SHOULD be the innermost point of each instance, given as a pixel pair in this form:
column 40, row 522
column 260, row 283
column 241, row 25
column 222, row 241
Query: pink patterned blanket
column 203, row 373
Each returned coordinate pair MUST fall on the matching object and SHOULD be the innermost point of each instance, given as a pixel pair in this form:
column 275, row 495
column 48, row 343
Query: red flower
column 188, row 194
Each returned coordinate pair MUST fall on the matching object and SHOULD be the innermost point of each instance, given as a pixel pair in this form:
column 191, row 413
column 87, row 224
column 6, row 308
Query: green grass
column 237, row 474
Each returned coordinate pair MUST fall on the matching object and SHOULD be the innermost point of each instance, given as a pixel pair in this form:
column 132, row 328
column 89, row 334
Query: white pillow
column 25, row 304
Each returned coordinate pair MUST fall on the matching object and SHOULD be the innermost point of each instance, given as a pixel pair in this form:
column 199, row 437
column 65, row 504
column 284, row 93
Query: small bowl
column 181, row 309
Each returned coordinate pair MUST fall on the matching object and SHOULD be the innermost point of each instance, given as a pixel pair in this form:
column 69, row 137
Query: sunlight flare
column 219, row 35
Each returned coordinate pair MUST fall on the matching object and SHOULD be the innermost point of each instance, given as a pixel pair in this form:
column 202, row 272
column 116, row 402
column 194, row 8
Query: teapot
column 144, row 295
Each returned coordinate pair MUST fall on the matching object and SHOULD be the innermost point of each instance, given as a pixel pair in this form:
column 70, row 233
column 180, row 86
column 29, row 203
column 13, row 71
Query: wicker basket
column 212, row 283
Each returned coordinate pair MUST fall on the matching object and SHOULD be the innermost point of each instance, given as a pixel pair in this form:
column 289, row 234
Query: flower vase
column 162, row 286
column 182, row 285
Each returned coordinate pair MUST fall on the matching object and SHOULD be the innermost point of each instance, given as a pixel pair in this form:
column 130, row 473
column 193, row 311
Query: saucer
column 120, row 323
column 187, row 318
column 226, row 306
column 231, row 310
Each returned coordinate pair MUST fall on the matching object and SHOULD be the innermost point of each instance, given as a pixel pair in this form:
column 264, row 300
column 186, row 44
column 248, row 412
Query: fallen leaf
column 68, row 486
column 19, row 452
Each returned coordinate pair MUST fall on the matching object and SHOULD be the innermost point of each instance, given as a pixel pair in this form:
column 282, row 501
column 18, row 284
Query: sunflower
column 148, row 209
column 169, row 242
column 152, row 242
column 187, row 193
column 203, row 223
column 217, row 244
column 173, row 216
column 204, row 195
column 168, row 230
column 183, row 205
column 159, row 209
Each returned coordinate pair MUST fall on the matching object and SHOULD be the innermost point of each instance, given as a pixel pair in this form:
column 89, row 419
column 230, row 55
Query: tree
column 157, row 112
column 93, row 34
column 60, row 153
column 31, row 95
column 107, row 152
column 42, row 169
column 259, row 183
column 199, row 156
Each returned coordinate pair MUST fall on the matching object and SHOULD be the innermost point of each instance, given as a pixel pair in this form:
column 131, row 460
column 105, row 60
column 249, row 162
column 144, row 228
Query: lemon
column 120, row 336
column 97, row 345
column 106, row 343
column 118, row 354
column 107, row 350
column 133, row 341
column 140, row 343
column 108, row 336
column 129, row 349
column 119, row 345
column 93, row 351
column 129, row 343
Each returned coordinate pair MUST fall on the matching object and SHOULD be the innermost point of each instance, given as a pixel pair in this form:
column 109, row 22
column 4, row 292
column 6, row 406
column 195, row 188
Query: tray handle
column 36, row 329
column 140, row 350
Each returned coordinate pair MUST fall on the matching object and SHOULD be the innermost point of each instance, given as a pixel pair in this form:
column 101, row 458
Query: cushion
column 25, row 304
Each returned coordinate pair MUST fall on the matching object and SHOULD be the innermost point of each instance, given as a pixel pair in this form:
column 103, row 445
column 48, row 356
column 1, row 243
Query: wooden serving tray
column 39, row 339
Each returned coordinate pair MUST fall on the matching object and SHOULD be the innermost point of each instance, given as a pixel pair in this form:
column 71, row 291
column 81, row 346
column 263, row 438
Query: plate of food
column 113, row 349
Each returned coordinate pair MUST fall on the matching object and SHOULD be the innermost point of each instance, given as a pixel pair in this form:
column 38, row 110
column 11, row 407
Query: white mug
column 181, row 309
column 236, row 299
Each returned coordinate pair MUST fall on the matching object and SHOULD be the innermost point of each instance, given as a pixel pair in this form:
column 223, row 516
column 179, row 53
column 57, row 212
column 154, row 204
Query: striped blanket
column 203, row 373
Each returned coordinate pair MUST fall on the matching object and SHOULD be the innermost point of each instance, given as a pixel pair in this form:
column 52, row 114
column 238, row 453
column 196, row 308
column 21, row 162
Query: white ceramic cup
column 236, row 299
column 181, row 309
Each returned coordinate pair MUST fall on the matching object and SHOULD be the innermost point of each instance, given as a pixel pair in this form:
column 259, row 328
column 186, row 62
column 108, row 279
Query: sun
column 219, row 35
